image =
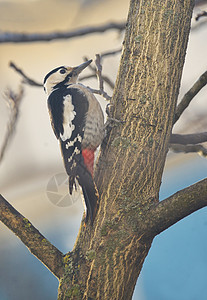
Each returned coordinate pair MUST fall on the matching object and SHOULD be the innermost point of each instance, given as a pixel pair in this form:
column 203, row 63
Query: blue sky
column 176, row 266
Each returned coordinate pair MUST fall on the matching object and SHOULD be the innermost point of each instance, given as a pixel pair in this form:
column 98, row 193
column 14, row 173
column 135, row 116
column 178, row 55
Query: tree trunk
column 108, row 257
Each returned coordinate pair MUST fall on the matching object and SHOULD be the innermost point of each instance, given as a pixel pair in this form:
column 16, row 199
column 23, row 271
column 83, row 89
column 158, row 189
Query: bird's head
column 63, row 75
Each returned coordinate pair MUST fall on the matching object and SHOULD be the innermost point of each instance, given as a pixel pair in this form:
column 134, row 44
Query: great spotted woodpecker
column 78, row 123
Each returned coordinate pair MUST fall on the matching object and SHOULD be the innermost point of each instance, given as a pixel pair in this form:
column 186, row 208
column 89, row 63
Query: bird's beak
column 77, row 70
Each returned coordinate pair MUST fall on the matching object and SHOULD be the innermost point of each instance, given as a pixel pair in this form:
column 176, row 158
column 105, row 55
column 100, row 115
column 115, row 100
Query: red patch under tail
column 88, row 156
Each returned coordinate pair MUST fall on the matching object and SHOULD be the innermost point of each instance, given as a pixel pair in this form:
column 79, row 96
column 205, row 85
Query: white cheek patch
column 68, row 117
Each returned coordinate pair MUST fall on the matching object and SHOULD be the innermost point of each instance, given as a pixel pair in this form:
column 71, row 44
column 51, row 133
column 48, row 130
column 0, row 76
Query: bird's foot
column 111, row 122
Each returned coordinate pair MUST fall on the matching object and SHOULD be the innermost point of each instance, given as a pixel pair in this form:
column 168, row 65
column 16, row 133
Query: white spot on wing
column 74, row 164
column 70, row 158
column 68, row 117
column 71, row 143
column 75, row 152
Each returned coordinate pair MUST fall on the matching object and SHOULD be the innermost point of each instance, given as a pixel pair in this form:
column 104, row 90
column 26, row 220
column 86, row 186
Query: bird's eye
column 62, row 71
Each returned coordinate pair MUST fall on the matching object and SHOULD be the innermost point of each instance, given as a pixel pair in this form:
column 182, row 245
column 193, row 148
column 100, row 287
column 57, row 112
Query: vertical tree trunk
column 107, row 259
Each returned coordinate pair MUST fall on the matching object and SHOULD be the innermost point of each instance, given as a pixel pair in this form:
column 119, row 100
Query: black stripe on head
column 64, row 82
column 53, row 71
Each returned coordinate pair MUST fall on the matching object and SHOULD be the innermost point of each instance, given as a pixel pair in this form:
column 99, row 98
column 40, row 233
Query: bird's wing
column 55, row 107
column 75, row 107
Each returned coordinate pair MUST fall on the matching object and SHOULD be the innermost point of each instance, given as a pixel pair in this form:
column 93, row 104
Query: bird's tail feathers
column 71, row 184
column 79, row 166
column 90, row 194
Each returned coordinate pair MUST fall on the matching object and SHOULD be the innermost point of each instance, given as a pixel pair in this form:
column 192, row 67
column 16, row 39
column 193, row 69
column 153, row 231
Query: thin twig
column 94, row 71
column 99, row 72
column 85, row 77
column 99, row 92
column 105, row 79
column 13, row 37
column 100, row 79
column 188, row 97
column 200, row 149
column 110, row 52
column 202, row 14
column 108, row 81
column 186, row 139
column 13, row 100
column 26, row 79
column 32, row 238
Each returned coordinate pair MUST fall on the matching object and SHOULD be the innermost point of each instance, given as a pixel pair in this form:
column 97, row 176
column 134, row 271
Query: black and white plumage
column 78, row 123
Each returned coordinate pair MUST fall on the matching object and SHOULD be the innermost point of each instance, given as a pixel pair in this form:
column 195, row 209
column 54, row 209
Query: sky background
column 176, row 266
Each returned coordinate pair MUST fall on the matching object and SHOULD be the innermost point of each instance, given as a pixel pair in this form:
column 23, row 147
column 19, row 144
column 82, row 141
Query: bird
column 78, row 123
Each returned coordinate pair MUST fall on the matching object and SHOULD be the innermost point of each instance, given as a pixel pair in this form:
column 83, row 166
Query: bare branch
column 12, row 37
column 202, row 14
column 201, row 150
column 32, row 238
column 94, row 71
column 100, row 79
column 99, row 92
column 199, row 2
column 99, row 71
column 110, row 52
column 13, row 100
column 176, row 207
column 188, row 97
column 105, row 79
column 26, row 79
column 186, row 139
column 85, row 77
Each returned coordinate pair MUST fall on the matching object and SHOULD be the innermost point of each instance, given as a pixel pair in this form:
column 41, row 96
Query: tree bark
column 108, row 257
